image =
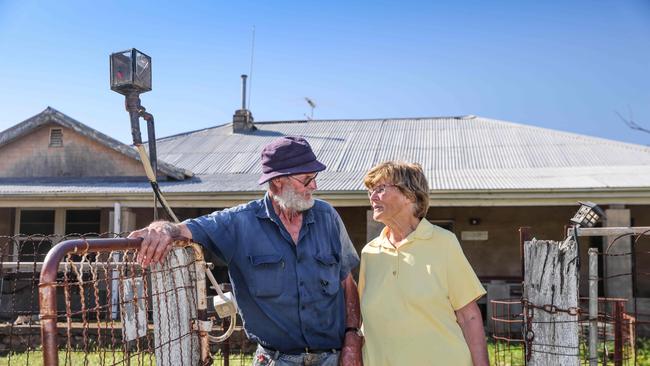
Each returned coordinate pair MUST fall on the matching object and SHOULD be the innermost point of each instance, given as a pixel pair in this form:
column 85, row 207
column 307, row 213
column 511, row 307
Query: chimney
column 242, row 120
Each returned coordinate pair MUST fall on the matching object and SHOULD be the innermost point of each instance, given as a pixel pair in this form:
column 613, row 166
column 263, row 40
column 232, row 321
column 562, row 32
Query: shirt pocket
column 267, row 274
column 328, row 273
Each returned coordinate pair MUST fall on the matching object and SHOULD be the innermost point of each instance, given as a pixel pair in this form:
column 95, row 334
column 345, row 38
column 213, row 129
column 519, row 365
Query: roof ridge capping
column 52, row 115
column 462, row 117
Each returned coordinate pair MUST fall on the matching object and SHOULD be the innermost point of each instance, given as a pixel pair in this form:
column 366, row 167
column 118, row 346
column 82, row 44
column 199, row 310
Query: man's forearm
column 177, row 230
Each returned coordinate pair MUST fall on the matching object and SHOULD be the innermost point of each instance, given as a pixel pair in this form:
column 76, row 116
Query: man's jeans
column 264, row 357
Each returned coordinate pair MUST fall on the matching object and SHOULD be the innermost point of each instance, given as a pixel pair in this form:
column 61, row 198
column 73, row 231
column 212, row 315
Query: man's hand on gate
column 157, row 239
column 351, row 351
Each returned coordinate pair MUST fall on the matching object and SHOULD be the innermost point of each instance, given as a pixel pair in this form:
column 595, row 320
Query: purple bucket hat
column 286, row 156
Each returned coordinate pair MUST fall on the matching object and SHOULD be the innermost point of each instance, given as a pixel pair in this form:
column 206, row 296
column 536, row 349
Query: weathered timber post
column 174, row 308
column 593, row 306
column 551, row 303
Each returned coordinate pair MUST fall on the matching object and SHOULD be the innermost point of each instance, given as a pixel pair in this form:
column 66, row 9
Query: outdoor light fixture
column 131, row 76
column 130, row 72
column 588, row 214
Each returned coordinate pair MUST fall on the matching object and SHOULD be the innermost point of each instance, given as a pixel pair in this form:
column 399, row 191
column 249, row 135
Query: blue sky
column 565, row 65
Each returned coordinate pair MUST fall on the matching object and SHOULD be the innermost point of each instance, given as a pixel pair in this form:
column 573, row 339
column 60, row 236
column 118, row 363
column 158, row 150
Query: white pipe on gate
column 593, row 306
column 115, row 296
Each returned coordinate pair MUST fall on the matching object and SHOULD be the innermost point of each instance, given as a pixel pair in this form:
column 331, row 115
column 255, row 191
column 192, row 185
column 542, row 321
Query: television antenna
column 312, row 105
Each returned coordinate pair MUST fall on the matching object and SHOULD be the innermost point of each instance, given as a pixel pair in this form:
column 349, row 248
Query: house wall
column 31, row 156
column 498, row 257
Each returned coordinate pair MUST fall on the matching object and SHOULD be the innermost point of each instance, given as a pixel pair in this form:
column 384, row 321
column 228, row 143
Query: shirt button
column 302, row 283
column 303, row 307
column 394, row 272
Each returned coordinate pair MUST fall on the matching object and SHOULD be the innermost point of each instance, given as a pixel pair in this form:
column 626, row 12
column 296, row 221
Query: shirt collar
column 424, row 230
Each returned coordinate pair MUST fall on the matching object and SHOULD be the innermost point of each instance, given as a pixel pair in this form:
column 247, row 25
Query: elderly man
column 289, row 259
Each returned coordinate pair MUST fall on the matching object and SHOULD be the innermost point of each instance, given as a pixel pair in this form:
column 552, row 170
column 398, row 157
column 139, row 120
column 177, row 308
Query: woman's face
column 388, row 202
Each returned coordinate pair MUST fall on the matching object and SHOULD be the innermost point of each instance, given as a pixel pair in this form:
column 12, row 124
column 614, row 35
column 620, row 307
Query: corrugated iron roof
column 585, row 178
column 455, row 152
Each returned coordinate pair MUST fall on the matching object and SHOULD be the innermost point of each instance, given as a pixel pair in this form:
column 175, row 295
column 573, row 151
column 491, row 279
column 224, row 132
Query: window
column 82, row 222
column 37, row 226
column 40, row 229
column 56, row 137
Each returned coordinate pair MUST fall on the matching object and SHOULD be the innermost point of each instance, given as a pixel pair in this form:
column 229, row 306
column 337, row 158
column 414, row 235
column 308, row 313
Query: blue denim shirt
column 289, row 295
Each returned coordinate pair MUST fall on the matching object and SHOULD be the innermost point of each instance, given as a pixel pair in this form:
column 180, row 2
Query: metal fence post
column 115, row 273
column 593, row 306
column 619, row 309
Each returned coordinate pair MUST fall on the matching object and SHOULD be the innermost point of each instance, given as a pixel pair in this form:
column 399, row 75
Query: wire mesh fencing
column 99, row 307
column 607, row 330
column 614, row 325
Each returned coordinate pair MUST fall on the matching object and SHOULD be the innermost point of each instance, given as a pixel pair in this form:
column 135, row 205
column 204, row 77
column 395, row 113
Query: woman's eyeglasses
column 380, row 189
column 306, row 181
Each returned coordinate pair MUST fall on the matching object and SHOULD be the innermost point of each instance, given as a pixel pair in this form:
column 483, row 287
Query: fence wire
column 621, row 326
column 110, row 310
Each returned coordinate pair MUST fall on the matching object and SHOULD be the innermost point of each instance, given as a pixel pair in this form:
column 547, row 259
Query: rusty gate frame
column 47, row 289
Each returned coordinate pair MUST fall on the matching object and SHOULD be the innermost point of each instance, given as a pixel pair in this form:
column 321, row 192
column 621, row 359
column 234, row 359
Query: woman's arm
column 352, row 343
column 469, row 319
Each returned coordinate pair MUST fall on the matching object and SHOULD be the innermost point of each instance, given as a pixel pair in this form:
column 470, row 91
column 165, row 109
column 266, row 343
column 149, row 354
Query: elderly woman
column 418, row 291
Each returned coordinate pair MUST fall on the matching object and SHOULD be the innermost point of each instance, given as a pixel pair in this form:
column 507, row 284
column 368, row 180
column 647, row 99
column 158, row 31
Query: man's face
column 295, row 191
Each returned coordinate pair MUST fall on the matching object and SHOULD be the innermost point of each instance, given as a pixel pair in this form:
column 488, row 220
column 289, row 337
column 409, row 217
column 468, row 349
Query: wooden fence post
column 551, row 302
column 174, row 307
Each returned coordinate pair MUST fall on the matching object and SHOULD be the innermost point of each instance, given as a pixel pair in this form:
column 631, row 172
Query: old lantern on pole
column 588, row 214
column 130, row 72
column 131, row 76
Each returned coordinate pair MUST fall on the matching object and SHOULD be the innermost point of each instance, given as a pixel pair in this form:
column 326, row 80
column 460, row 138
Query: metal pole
column 618, row 332
column 115, row 296
column 593, row 306
column 243, row 91
column 524, row 235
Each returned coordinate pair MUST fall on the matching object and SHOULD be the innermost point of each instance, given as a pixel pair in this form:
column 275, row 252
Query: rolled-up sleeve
column 214, row 232
column 464, row 285
column 349, row 256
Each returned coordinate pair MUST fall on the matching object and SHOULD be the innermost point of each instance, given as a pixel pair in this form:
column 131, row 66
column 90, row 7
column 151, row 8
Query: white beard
column 291, row 201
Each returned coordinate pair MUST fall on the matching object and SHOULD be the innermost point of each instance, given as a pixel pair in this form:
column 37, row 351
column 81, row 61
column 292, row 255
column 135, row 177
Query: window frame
column 59, row 226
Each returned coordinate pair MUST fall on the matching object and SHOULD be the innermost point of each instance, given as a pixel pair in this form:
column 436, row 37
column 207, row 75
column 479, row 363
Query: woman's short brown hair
column 408, row 177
